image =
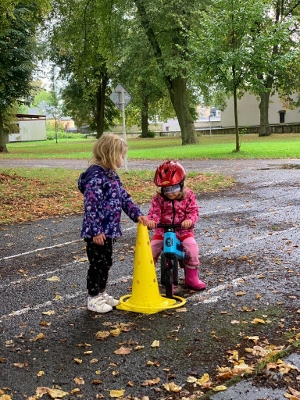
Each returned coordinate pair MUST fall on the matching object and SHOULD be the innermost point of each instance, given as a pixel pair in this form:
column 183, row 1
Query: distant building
column 29, row 128
column 249, row 115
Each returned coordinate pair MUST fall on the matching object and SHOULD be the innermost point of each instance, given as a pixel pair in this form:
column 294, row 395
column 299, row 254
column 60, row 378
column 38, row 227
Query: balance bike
column 172, row 255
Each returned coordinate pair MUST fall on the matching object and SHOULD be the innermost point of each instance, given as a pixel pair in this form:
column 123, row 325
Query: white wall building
column 29, row 128
column 248, row 112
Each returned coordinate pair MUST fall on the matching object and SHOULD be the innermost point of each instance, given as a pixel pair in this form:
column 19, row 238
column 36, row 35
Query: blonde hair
column 107, row 151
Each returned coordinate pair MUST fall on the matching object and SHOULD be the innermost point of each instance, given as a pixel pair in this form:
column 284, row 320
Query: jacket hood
column 85, row 177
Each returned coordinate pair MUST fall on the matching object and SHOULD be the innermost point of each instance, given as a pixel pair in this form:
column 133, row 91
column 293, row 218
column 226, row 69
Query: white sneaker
column 98, row 304
column 110, row 300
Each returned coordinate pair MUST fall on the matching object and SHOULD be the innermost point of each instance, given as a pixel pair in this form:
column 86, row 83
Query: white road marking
column 49, row 247
column 209, row 296
column 40, row 249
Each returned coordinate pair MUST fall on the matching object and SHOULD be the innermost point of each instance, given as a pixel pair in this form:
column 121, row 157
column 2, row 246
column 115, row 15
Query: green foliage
column 17, row 50
column 19, row 22
column 150, row 134
column 61, row 134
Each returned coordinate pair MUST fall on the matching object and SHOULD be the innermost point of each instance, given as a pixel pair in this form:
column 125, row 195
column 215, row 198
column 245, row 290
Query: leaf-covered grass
column 28, row 194
column 209, row 147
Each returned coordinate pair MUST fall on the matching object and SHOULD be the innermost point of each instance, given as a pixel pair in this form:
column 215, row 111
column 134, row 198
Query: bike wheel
column 169, row 278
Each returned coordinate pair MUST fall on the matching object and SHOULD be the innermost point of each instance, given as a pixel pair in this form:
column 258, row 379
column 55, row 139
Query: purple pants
column 189, row 245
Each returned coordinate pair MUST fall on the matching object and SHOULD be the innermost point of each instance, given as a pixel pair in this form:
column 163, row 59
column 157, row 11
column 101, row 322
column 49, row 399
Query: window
column 281, row 116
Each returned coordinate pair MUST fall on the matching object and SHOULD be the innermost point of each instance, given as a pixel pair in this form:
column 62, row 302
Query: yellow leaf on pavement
column 172, row 387
column 50, row 312
column 53, row 278
column 56, row 393
column 191, row 379
column 123, row 350
column 219, row 388
column 204, row 379
column 117, row 393
column 101, row 335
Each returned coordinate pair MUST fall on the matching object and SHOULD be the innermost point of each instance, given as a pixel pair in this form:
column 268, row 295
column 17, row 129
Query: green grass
column 209, row 147
column 48, row 192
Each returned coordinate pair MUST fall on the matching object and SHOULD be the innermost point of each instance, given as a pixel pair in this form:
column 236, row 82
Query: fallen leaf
column 101, row 335
column 255, row 339
column 96, row 382
column 151, row 382
column 204, row 379
column 294, row 392
column 240, row 293
column 117, row 393
column 56, row 393
column 20, row 365
column 123, row 350
column 181, row 309
column 40, row 336
column 220, row 388
column 50, row 312
column 155, row 343
column 258, row 321
column 139, row 347
column 79, row 381
column 53, row 278
column 172, row 387
column 45, row 323
column 191, row 379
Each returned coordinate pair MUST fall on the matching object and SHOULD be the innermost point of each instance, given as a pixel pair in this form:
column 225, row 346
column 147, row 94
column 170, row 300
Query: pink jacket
column 166, row 211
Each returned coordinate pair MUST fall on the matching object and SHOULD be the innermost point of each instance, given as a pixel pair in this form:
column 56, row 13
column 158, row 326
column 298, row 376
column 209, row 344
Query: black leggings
column 100, row 259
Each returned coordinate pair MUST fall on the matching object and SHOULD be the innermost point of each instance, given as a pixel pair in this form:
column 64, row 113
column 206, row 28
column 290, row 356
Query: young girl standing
column 175, row 204
column 104, row 200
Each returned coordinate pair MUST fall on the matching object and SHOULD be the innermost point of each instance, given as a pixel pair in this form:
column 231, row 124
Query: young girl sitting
column 174, row 204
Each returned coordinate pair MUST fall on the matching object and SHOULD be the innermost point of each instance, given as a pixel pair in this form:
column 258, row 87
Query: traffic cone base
column 145, row 297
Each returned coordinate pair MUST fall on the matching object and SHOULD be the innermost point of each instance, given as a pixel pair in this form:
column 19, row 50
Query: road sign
column 119, row 94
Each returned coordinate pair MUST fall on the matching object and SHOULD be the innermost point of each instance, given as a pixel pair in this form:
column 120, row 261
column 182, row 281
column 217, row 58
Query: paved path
column 234, row 166
column 267, row 176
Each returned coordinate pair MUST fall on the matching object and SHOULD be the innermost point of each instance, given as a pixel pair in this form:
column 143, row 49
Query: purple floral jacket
column 166, row 211
column 104, row 200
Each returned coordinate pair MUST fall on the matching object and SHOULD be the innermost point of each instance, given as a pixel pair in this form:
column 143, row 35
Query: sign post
column 121, row 98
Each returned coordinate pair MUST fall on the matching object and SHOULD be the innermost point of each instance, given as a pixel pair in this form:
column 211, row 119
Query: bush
column 61, row 134
column 150, row 134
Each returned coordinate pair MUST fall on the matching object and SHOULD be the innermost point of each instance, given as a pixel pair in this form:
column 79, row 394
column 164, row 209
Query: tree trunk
column 179, row 98
column 236, row 121
column 144, row 117
column 101, row 106
column 264, row 126
column 3, row 136
column 176, row 86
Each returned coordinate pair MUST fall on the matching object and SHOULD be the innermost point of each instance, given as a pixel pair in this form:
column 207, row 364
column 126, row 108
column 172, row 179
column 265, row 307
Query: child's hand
column 151, row 224
column 187, row 223
column 99, row 239
column 143, row 220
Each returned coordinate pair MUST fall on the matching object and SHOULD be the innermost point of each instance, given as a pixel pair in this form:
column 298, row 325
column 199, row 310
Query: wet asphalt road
column 249, row 249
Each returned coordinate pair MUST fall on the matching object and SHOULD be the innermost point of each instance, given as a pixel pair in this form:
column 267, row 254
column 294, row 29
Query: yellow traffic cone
column 145, row 297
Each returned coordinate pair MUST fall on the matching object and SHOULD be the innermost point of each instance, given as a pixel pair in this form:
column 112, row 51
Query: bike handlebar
column 165, row 226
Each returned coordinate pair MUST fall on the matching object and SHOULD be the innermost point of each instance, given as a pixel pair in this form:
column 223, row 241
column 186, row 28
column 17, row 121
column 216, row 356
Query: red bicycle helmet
column 168, row 174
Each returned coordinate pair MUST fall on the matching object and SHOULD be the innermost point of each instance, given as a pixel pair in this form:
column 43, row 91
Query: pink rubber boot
column 192, row 280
